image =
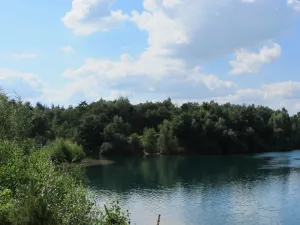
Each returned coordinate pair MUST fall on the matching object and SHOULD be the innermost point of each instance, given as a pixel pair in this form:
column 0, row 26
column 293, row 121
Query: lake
column 259, row 189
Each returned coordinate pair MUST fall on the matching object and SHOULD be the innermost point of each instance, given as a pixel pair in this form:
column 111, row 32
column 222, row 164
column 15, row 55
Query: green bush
column 33, row 189
column 149, row 140
column 65, row 151
column 112, row 214
column 50, row 196
column 5, row 205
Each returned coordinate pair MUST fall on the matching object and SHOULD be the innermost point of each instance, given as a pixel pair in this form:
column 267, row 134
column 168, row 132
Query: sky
column 67, row 51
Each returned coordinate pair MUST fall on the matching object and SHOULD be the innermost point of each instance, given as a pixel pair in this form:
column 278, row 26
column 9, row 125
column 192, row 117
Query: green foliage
column 33, row 189
column 5, row 205
column 207, row 128
column 166, row 142
column 116, row 133
column 112, row 214
column 136, row 144
column 64, row 151
column 149, row 140
column 11, row 112
column 117, row 126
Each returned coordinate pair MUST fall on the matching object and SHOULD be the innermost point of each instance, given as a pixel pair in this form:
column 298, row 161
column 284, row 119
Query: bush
column 149, row 140
column 112, row 214
column 65, row 151
column 5, row 205
column 34, row 191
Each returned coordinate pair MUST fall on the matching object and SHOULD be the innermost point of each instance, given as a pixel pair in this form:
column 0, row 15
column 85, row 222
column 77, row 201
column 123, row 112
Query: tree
column 15, row 119
column 117, row 133
column 166, row 142
column 149, row 140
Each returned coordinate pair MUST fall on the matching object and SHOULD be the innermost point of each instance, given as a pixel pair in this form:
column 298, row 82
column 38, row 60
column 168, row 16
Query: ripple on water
column 227, row 191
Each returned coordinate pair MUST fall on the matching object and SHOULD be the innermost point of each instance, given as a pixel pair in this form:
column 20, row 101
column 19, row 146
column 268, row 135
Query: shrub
column 112, row 214
column 35, row 191
column 5, row 205
column 149, row 140
column 65, row 151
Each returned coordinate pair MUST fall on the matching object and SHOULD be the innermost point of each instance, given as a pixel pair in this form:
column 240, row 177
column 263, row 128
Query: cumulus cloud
column 139, row 77
column 275, row 95
column 68, row 49
column 89, row 16
column 24, row 55
column 197, row 30
column 26, row 85
column 32, row 79
column 248, row 62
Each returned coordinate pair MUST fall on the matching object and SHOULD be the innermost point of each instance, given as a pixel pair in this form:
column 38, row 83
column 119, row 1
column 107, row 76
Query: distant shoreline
column 88, row 162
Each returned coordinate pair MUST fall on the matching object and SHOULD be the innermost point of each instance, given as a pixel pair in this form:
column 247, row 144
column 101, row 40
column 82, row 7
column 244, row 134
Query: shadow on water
column 168, row 171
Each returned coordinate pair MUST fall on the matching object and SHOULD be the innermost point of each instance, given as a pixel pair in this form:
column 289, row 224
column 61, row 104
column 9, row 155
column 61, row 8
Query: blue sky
column 239, row 51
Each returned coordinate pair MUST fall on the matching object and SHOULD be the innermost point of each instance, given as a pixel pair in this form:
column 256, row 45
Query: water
column 260, row 189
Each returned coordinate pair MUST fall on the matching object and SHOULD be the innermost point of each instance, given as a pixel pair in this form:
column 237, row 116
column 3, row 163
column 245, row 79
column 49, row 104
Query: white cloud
column 24, row 55
column 27, row 85
column 249, row 1
column 247, row 62
column 139, row 78
column 89, row 16
column 295, row 4
column 274, row 95
column 213, row 82
column 197, row 30
column 68, row 49
column 32, row 79
column 282, row 90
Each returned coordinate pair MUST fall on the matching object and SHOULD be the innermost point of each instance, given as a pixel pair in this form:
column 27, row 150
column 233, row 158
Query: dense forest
column 119, row 127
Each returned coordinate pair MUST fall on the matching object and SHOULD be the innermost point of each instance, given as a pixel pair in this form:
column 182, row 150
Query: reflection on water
column 260, row 189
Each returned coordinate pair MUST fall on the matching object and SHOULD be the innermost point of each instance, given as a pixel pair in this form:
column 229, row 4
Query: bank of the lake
column 256, row 189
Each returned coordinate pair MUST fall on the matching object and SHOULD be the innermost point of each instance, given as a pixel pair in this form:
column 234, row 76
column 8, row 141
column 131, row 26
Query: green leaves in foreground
column 112, row 214
column 34, row 191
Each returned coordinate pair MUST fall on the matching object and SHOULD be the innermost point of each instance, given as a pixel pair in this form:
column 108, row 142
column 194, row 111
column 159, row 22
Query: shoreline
column 88, row 162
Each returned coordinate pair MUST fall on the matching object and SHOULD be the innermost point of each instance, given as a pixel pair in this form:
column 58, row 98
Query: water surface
column 233, row 190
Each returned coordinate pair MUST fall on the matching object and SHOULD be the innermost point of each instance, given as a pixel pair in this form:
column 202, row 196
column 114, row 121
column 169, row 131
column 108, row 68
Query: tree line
column 119, row 127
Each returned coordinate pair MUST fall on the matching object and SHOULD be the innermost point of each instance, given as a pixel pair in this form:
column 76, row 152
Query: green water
column 260, row 189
